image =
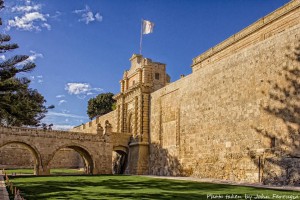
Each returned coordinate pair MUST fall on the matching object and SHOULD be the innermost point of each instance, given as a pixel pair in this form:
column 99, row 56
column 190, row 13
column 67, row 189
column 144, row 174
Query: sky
column 82, row 47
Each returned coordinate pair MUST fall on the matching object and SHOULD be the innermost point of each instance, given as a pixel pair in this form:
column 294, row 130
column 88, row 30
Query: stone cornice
column 263, row 22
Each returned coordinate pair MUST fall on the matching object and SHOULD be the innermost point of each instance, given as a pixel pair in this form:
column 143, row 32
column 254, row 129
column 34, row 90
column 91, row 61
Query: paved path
column 207, row 180
column 3, row 191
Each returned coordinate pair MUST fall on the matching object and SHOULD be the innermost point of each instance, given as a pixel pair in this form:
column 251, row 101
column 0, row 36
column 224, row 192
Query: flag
column 147, row 27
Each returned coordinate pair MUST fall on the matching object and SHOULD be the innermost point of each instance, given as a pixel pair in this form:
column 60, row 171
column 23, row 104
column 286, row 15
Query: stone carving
column 108, row 127
column 99, row 129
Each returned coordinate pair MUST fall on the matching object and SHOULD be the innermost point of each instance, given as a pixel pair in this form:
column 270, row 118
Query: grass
column 131, row 187
column 52, row 171
column 19, row 171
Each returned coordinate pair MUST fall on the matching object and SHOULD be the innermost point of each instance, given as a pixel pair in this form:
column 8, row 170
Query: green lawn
column 130, row 187
column 52, row 171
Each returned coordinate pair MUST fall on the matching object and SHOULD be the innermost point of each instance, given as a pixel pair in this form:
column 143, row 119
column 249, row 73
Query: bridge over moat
column 95, row 149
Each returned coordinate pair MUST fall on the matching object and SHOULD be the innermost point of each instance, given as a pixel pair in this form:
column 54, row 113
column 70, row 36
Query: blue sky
column 81, row 48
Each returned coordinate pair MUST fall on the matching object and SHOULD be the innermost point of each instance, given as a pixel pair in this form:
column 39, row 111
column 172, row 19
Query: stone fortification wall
column 235, row 117
column 272, row 24
column 91, row 126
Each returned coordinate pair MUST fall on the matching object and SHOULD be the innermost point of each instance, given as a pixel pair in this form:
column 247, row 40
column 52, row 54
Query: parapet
column 281, row 19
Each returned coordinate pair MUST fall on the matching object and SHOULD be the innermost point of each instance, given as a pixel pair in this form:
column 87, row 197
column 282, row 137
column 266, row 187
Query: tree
column 19, row 104
column 100, row 105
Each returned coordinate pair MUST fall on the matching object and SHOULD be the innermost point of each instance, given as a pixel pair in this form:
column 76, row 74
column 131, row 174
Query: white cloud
column 87, row 16
column 31, row 58
column 60, row 96
column 28, row 17
column 27, row 2
column 47, row 26
column 34, row 56
column 38, row 78
column 62, row 127
column 57, row 114
column 81, row 89
column 29, row 21
column 2, row 57
column 62, row 101
column 26, row 8
column 98, row 17
column 77, row 88
column 56, row 15
column 65, row 111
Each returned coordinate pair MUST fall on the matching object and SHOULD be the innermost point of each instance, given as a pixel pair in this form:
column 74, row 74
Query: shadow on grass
column 121, row 187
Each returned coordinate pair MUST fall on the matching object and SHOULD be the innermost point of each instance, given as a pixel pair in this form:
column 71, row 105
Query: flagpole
column 141, row 39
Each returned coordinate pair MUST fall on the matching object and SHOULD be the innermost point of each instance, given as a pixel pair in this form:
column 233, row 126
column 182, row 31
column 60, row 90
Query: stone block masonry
column 16, row 156
column 235, row 117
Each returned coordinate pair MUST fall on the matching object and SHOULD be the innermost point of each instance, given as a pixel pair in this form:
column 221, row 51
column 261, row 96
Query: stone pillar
column 140, row 115
column 145, row 131
column 122, row 85
column 138, row 158
column 118, row 118
column 125, row 117
column 36, row 169
column 140, row 76
column 126, row 85
column 135, row 115
column 121, row 116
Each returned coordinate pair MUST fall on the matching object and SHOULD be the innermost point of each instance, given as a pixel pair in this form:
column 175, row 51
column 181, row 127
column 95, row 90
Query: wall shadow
column 280, row 164
column 163, row 163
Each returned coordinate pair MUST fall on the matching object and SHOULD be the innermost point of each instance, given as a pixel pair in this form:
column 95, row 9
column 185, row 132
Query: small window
column 157, row 76
column 133, row 82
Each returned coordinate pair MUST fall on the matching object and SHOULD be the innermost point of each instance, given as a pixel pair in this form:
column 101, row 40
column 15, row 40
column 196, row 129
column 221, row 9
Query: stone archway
column 86, row 156
column 32, row 150
column 119, row 159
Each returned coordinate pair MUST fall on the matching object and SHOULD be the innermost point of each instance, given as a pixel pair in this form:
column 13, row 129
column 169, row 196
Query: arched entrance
column 119, row 159
column 20, row 161
column 85, row 155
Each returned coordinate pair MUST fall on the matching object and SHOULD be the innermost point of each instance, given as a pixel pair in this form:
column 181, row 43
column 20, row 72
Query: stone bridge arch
column 84, row 153
column 32, row 149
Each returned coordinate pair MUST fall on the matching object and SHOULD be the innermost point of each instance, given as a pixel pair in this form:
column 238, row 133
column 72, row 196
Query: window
column 133, row 82
column 157, row 76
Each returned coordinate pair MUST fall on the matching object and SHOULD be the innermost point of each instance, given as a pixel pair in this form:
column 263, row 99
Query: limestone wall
column 16, row 156
column 96, row 149
column 91, row 126
column 235, row 118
